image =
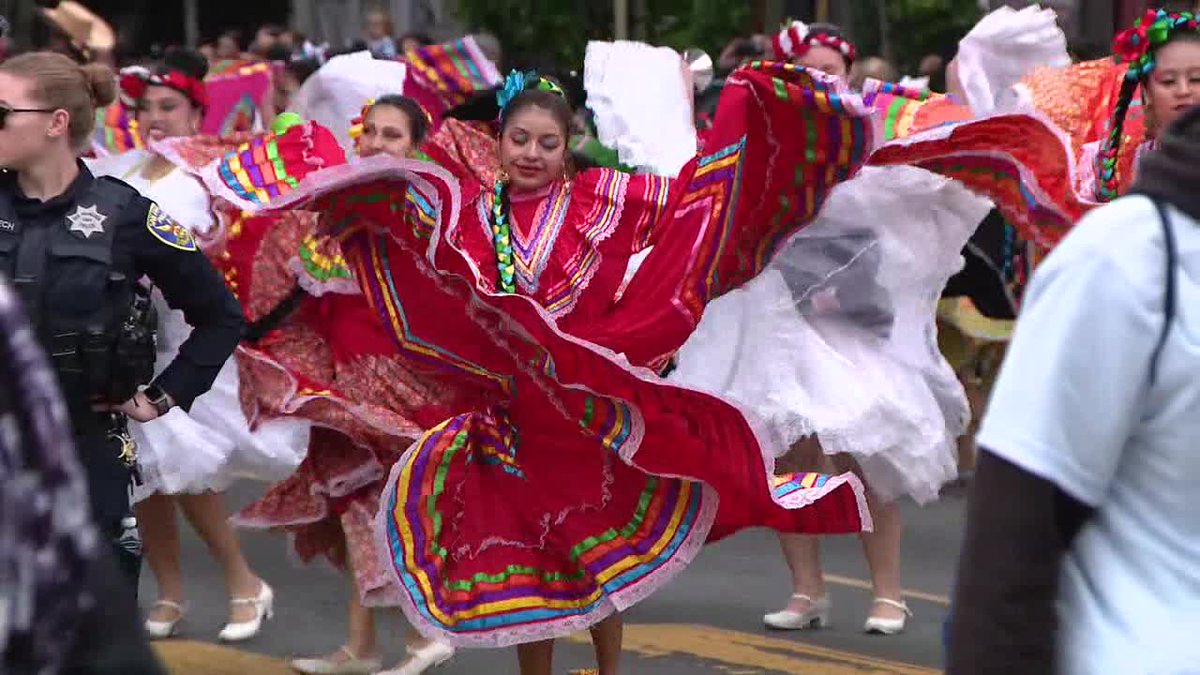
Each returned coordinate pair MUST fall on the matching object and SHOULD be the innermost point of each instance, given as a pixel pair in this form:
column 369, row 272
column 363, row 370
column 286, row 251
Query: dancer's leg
column 802, row 553
column 803, row 556
column 360, row 645
column 361, row 622
column 536, row 658
column 606, row 640
column 160, row 546
column 415, row 640
column 207, row 515
column 881, row 547
column 973, row 386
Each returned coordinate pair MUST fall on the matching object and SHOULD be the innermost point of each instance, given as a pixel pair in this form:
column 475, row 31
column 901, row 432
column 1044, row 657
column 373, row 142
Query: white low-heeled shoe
column 161, row 630
column 353, row 665
column 420, row 660
column 816, row 616
column 264, row 608
column 879, row 626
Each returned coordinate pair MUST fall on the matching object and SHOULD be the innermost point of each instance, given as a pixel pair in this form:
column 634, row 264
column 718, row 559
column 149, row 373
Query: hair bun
column 101, row 82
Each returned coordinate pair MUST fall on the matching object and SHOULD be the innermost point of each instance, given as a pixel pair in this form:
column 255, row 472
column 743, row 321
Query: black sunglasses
column 5, row 111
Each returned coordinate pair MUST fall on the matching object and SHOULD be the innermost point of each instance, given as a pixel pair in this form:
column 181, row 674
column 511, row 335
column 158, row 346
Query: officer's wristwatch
column 158, row 398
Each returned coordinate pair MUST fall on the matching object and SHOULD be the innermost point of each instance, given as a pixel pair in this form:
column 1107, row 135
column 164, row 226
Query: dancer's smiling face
column 1174, row 84
column 533, row 143
column 164, row 112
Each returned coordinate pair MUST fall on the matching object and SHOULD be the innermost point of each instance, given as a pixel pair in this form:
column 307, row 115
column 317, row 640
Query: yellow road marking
column 859, row 583
column 734, row 652
column 186, row 657
column 748, row 653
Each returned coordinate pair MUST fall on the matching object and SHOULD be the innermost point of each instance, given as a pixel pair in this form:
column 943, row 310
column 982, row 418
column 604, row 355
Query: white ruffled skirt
column 208, row 448
column 838, row 336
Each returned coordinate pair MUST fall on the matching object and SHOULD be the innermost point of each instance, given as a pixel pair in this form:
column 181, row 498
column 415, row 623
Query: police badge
column 168, row 231
column 87, row 221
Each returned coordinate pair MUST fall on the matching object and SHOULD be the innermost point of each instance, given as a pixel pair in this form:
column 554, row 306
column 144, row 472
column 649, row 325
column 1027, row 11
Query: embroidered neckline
column 532, row 247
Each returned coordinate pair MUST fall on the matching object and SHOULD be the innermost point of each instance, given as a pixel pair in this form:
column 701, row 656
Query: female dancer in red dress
column 334, row 341
column 563, row 481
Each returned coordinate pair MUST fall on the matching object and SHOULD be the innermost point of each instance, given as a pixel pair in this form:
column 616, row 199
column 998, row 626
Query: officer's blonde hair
column 60, row 83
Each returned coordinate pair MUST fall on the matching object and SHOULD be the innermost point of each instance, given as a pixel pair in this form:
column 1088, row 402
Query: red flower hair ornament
column 134, row 82
column 795, row 40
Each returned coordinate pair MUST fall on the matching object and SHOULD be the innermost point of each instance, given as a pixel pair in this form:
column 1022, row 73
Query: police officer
column 76, row 248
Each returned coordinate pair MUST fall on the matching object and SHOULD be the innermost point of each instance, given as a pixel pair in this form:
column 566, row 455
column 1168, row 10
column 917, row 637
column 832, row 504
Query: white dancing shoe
column 160, row 630
column 420, row 660
column 353, row 665
column 878, row 626
column 816, row 616
column 264, row 608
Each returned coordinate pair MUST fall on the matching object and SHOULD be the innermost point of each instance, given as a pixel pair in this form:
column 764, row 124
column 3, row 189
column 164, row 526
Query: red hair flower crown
column 134, row 82
column 796, row 39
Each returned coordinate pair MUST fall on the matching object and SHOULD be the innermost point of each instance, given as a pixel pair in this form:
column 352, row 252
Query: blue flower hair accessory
column 517, row 82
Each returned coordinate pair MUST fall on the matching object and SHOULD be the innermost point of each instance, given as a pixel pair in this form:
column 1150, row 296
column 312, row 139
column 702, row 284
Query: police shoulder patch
column 169, row 232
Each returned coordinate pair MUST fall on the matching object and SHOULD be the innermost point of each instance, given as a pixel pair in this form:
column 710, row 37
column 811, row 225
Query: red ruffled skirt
column 577, row 484
column 565, row 483
column 329, row 362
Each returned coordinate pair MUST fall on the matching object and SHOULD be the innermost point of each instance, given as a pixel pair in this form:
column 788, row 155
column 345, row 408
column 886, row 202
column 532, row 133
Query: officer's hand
column 139, row 408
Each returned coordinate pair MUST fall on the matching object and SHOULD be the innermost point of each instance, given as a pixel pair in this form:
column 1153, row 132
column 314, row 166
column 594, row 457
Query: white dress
column 207, row 448
column 837, row 337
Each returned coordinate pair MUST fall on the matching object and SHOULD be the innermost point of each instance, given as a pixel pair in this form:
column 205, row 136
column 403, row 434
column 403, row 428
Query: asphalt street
column 709, row 620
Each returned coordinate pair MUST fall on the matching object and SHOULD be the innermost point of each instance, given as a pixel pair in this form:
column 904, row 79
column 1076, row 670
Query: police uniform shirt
column 146, row 242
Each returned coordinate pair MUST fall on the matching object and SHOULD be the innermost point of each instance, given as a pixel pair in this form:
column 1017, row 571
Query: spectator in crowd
column 291, row 40
column 412, row 41
column 265, row 40
column 76, row 31
column 933, row 67
column 740, row 51
column 931, row 75
column 229, row 46
column 873, row 67
column 377, row 33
